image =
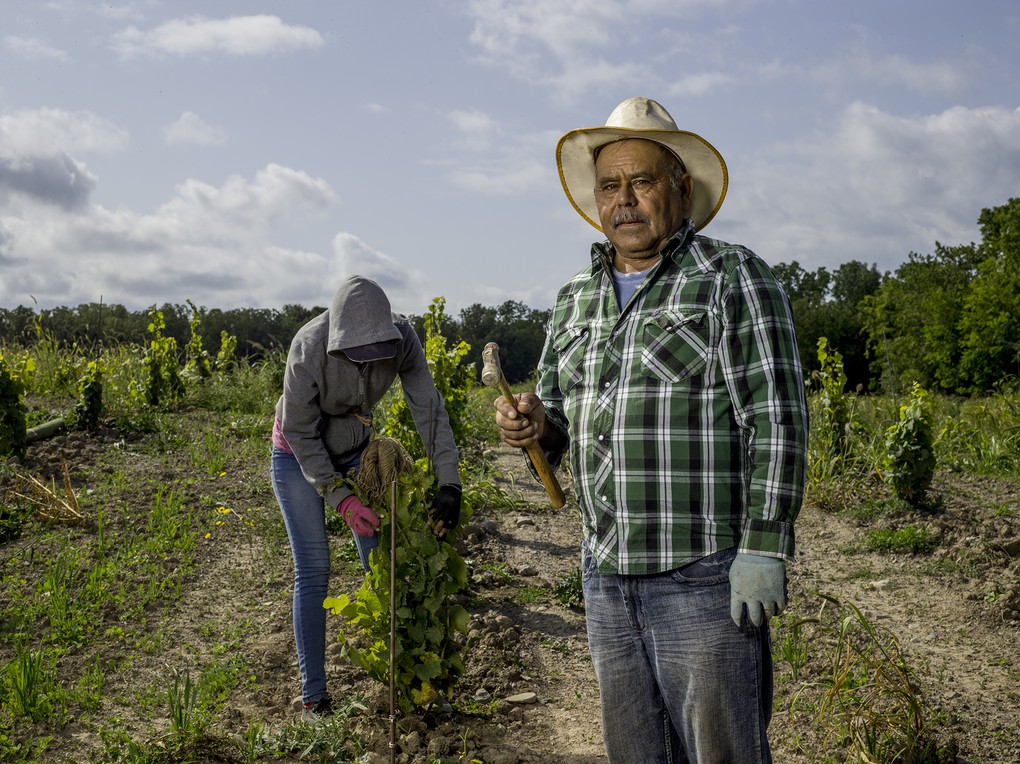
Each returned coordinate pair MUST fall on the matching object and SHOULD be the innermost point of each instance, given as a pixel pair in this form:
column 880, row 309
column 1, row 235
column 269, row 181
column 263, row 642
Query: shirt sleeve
column 761, row 364
column 428, row 411
column 299, row 421
column 548, row 391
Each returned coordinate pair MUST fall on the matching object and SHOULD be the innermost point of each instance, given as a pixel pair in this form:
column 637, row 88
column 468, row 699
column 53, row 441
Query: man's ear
column 687, row 189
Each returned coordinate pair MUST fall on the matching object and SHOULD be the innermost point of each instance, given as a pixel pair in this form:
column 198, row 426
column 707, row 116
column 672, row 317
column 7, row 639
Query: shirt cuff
column 767, row 538
column 447, row 474
column 334, row 493
column 558, row 422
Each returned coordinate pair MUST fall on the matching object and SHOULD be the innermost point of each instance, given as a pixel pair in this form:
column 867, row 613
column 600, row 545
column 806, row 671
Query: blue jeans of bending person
column 679, row 682
column 304, row 514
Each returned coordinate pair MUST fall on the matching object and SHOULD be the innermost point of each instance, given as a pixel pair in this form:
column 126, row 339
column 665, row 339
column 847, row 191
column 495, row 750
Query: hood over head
column 361, row 324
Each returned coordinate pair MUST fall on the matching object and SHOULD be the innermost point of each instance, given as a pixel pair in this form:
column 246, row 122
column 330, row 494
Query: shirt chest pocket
column 676, row 345
column 570, row 345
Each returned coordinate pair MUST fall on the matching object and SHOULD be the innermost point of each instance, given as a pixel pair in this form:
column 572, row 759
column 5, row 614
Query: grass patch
column 532, row 595
column 910, row 538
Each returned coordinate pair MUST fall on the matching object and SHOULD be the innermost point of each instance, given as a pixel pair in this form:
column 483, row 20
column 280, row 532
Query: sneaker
column 317, row 710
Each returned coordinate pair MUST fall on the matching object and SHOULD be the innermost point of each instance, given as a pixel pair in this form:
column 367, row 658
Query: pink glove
column 362, row 520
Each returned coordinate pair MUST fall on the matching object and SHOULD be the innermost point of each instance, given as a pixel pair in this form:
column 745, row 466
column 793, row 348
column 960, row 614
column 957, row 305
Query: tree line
column 949, row 320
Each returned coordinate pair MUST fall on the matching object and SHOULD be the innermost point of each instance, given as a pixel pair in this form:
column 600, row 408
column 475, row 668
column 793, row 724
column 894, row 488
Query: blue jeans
column 305, row 517
column 679, row 682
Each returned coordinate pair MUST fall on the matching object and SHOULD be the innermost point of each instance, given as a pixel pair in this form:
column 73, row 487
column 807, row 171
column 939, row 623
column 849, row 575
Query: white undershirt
column 625, row 284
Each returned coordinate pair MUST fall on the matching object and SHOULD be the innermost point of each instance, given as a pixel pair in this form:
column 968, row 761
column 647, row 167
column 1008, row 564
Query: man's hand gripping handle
column 492, row 376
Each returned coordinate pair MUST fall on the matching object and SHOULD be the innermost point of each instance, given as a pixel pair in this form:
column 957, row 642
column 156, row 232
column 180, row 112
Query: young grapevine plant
column 453, row 380
column 910, row 449
column 429, row 627
column 89, row 409
column 12, row 412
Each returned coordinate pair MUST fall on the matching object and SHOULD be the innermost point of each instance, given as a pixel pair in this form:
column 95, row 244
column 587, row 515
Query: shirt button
column 606, row 385
column 601, row 438
column 605, row 498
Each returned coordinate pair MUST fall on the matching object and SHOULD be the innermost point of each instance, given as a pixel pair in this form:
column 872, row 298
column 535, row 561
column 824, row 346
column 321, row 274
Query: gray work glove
column 759, row 583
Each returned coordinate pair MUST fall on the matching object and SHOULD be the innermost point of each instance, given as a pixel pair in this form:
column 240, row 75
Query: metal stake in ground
column 492, row 376
column 393, row 620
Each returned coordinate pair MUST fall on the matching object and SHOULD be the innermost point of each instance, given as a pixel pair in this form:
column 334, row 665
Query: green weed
column 870, row 702
column 791, row 644
column 532, row 595
column 569, row 590
column 910, row 538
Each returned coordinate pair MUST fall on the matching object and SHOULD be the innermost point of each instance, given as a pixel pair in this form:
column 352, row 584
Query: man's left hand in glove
column 757, row 585
column 445, row 510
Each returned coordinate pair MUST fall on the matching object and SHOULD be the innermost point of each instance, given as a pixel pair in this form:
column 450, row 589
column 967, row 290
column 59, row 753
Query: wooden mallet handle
column 492, row 376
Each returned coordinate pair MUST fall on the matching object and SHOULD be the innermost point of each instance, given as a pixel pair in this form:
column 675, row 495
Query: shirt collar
column 674, row 248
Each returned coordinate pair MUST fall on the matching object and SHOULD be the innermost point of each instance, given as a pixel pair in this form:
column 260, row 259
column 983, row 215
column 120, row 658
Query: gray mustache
column 628, row 217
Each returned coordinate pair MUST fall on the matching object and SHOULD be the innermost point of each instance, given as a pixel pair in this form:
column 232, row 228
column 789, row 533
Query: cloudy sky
column 254, row 154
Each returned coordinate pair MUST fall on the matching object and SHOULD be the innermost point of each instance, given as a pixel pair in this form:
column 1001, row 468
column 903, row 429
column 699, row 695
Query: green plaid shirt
column 684, row 411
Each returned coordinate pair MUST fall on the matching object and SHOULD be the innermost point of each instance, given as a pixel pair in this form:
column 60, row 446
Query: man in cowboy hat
column 671, row 376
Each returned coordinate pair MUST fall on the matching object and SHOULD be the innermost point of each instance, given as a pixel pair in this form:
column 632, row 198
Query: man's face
column 638, row 208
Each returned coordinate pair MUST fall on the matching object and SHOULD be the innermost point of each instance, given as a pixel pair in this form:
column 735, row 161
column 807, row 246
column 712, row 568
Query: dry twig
column 47, row 502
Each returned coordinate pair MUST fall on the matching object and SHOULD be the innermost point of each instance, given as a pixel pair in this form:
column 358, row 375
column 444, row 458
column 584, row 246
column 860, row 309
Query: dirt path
column 529, row 684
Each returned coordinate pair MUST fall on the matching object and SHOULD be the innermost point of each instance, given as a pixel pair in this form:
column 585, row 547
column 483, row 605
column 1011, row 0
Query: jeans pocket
column 589, row 565
column 708, row 571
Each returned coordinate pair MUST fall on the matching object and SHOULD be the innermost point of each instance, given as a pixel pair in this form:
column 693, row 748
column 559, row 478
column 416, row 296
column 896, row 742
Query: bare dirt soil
column 529, row 694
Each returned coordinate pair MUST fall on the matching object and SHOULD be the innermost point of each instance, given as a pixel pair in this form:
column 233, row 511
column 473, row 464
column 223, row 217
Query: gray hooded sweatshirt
column 328, row 399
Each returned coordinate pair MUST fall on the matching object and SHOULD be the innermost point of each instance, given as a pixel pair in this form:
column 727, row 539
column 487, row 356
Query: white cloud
column 236, row 36
column 212, row 244
column 877, row 183
column 579, row 46
column 244, row 208
column 861, row 64
column 576, row 45
column 700, row 84
column 503, row 178
column 190, row 128
column 33, row 48
column 55, row 179
column 36, row 162
column 117, row 12
column 510, row 168
column 476, row 128
column 353, row 256
column 48, row 131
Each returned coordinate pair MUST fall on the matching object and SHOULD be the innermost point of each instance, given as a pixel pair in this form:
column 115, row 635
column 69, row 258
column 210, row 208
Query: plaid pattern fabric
column 685, row 411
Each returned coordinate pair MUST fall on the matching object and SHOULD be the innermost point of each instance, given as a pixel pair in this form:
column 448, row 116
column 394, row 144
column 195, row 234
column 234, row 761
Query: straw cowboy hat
column 641, row 118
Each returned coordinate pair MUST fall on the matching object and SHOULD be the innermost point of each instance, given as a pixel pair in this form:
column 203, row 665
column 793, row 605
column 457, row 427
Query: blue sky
column 256, row 153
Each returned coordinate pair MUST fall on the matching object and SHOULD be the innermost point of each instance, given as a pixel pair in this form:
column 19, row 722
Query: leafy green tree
column 951, row 320
column 828, row 305
column 517, row 329
column 912, row 320
column 990, row 322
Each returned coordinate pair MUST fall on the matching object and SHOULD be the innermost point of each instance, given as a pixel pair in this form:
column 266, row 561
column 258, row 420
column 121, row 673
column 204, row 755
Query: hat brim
column 376, row 351
column 575, row 159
